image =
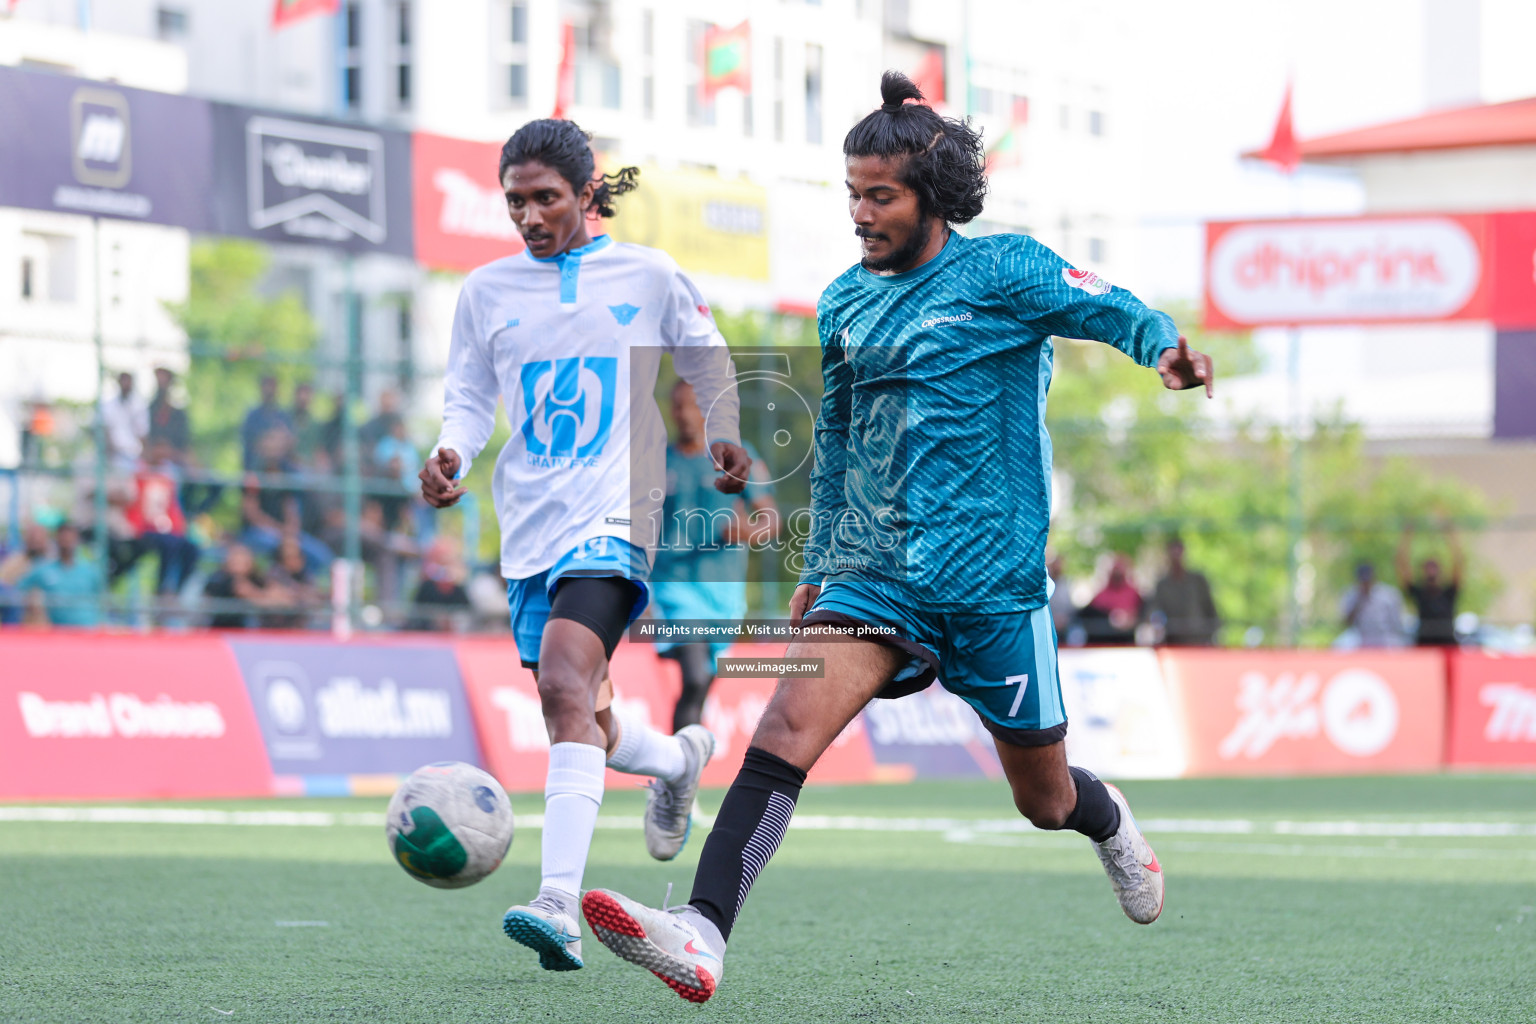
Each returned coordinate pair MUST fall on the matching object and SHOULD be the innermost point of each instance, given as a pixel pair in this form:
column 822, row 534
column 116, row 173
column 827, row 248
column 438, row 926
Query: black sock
column 698, row 675
column 747, row 831
column 1096, row 815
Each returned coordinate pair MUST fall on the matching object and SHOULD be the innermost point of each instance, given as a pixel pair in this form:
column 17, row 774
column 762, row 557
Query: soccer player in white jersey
column 569, row 334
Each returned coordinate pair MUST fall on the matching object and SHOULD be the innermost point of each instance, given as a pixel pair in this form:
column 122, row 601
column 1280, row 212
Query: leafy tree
column 237, row 335
column 1142, row 464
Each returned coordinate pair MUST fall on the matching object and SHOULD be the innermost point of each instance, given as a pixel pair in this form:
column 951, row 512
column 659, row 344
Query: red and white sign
column 1403, row 269
column 515, row 742
column 126, row 717
column 1308, row 712
column 461, row 216
column 1493, row 710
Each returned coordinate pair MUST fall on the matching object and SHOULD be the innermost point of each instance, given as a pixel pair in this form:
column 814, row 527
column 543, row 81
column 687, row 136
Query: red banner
column 1406, row 268
column 1493, row 710
column 130, row 717
column 460, row 211
column 516, row 746
column 1309, row 712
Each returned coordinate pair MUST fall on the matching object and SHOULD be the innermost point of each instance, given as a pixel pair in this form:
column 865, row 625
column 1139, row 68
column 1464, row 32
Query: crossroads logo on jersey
column 938, row 320
column 1087, row 280
column 314, row 180
column 568, row 409
column 103, row 151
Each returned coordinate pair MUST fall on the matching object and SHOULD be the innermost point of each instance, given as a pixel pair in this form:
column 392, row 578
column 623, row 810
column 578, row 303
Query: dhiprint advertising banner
column 1408, row 268
column 461, row 219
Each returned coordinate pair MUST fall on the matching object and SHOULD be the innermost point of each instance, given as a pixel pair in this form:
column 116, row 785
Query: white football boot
column 545, row 925
column 669, row 807
column 1132, row 867
column 666, row 943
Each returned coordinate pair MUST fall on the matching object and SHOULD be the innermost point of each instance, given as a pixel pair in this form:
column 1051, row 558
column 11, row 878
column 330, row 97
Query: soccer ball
column 449, row 824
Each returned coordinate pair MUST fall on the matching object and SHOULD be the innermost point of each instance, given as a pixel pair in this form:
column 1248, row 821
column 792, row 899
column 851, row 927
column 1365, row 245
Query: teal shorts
column 1003, row 666
column 723, row 602
column 529, row 598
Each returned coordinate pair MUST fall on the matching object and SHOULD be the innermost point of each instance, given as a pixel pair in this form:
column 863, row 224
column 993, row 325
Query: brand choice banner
column 128, row 717
column 305, row 180
column 340, row 709
column 1493, row 710
column 87, row 147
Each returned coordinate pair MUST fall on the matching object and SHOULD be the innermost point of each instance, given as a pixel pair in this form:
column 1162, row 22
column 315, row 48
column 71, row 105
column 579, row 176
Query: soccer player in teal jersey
column 700, row 574
column 931, row 503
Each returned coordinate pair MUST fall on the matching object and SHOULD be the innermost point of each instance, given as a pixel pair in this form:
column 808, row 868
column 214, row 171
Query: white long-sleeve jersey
column 572, row 345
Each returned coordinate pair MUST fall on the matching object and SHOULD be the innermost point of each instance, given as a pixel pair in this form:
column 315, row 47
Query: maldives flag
column 565, row 74
column 1283, row 150
column 727, row 59
column 1005, row 152
column 929, row 76
column 286, row 12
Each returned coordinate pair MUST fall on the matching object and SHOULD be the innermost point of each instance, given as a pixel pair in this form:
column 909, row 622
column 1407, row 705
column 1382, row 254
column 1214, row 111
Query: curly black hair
column 945, row 160
column 563, row 146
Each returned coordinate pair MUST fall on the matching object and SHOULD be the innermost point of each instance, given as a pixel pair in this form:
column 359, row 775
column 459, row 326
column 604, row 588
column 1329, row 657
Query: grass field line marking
column 803, row 822
column 302, row 924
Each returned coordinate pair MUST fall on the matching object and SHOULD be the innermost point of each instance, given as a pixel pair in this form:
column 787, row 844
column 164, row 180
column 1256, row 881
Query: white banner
column 1120, row 720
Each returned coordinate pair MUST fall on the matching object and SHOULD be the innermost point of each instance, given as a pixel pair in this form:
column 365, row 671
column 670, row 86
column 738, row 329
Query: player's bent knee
column 1044, row 812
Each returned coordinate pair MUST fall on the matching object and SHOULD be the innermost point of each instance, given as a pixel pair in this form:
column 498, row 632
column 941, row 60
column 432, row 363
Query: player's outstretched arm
column 1183, row 368
column 734, row 465
column 438, row 486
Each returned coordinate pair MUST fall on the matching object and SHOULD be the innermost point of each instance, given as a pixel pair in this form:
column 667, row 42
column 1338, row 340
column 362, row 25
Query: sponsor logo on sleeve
column 1087, row 280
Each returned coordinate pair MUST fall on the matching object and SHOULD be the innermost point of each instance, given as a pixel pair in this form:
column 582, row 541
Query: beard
column 902, row 257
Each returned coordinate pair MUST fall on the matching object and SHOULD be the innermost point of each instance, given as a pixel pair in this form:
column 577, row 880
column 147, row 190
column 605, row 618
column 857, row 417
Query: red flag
column 565, row 78
column 1283, row 150
column 727, row 59
column 929, row 76
column 286, row 12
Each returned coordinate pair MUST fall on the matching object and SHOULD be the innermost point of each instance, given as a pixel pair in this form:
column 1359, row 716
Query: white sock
column 644, row 751
column 573, row 791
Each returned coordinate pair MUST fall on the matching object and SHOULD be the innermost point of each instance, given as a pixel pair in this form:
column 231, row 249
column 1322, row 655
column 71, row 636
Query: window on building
column 171, row 23
column 403, row 55
column 701, row 114
column 1095, row 122
column 981, row 100
column 509, row 53
column 598, row 82
column 778, row 89
column 352, row 59
column 1066, row 117
column 813, row 55
column 48, row 267
column 1096, row 250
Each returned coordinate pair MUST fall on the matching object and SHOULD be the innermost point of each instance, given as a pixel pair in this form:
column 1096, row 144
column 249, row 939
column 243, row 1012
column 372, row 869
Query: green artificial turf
column 156, row 922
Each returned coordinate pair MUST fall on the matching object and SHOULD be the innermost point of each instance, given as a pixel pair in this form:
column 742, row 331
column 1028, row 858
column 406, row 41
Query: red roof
column 1490, row 124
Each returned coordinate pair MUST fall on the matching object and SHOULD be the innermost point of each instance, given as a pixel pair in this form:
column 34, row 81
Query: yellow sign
column 709, row 225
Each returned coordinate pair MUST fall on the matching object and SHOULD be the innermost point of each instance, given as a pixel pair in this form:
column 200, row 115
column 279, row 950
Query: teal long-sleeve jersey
column 932, row 462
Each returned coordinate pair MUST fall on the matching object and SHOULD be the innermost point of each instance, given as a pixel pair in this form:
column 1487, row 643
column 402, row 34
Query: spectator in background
column 261, row 421
column 240, row 588
column 272, row 506
column 1372, row 611
column 1434, row 599
column 383, row 550
column 441, row 603
column 333, row 431
column 1111, row 617
column 1182, row 598
column 1063, row 611
column 167, row 422
column 125, row 420
column 292, row 585
column 16, row 565
column 380, row 426
column 158, row 523
column 64, row 589
column 308, row 432
column 395, row 457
